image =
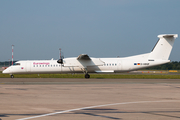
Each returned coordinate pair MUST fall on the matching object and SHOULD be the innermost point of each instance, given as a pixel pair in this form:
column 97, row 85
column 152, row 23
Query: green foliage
column 169, row 66
column 6, row 63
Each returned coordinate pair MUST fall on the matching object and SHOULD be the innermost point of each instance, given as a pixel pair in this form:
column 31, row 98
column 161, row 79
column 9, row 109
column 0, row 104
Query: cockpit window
column 16, row 63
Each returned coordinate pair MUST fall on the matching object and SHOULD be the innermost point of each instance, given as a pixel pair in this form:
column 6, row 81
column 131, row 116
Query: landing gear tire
column 87, row 76
column 12, row 76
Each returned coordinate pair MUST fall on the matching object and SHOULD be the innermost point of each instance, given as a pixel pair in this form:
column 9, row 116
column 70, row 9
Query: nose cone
column 6, row 71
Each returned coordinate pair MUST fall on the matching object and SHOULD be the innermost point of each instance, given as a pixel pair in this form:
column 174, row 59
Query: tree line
column 174, row 65
column 6, row 63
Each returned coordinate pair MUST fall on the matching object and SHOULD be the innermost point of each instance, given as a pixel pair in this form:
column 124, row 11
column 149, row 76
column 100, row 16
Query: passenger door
column 28, row 67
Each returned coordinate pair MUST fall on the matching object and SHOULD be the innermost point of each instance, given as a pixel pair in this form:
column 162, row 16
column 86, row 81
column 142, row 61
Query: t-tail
column 158, row 56
column 163, row 47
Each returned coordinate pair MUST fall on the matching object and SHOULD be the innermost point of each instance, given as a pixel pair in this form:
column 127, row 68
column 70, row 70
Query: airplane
column 83, row 63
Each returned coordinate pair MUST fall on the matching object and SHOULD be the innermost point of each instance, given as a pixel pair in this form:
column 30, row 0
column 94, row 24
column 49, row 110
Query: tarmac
column 89, row 99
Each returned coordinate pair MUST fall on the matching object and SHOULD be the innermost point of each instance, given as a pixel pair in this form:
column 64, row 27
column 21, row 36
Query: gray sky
column 99, row 28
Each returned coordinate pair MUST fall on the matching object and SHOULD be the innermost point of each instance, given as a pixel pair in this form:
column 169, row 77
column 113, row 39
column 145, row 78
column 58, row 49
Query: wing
column 84, row 62
column 83, row 57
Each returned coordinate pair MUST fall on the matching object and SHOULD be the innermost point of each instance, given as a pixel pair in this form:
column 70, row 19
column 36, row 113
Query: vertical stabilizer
column 163, row 47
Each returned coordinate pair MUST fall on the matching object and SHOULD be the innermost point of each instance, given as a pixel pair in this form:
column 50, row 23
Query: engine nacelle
column 60, row 61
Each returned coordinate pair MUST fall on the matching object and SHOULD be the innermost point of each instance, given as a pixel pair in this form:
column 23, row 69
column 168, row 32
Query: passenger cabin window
column 110, row 64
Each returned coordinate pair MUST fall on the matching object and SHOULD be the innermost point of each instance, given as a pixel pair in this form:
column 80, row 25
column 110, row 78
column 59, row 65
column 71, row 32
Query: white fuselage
column 72, row 65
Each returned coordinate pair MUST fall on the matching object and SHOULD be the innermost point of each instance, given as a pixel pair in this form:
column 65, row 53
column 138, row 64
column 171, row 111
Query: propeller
column 60, row 61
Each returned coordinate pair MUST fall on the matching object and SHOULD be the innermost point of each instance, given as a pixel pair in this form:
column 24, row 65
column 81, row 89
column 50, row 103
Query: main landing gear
column 87, row 76
column 85, row 72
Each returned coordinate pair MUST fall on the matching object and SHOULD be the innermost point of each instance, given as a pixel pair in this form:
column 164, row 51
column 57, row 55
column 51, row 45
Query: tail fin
column 163, row 47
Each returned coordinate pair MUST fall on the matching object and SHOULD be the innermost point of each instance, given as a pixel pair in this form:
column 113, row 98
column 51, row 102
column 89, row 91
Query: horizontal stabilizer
column 168, row 35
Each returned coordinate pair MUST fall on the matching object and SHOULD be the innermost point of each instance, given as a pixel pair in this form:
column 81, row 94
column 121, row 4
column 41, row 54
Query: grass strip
column 96, row 76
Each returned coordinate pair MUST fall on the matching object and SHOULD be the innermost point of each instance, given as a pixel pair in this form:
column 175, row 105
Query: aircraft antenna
column 12, row 54
column 59, row 53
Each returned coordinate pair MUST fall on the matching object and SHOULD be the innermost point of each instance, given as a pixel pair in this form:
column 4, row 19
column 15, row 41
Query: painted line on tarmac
column 71, row 110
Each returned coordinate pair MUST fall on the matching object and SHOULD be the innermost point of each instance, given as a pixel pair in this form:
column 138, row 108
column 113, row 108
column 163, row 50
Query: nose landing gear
column 12, row 76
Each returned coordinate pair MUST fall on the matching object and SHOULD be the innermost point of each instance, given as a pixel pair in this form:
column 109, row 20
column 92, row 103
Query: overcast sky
column 99, row 28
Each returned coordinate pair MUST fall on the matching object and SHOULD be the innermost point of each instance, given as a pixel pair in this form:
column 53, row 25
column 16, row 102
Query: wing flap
column 105, row 71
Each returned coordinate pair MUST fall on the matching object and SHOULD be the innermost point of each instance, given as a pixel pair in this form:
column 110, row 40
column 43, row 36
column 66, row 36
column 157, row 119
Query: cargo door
column 119, row 65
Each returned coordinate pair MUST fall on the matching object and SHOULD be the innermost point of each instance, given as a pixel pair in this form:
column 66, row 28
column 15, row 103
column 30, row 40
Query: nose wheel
column 12, row 76
column 87, row 76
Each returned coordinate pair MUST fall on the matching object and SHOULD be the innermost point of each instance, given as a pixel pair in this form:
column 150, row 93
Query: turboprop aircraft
column 83, row 63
